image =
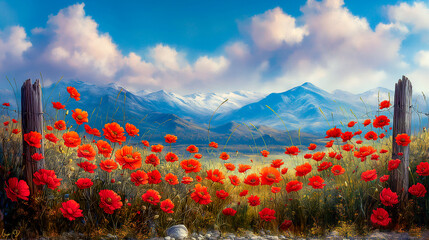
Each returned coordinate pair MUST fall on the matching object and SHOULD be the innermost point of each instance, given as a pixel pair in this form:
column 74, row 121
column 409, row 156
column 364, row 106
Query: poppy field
column 114, row 181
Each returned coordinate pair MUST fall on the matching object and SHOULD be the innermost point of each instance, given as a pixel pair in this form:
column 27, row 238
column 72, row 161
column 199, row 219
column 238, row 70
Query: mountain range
column 299, row 115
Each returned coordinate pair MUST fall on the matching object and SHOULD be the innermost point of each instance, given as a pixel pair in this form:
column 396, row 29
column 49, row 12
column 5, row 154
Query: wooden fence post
column 32, row 120
column 399, row 178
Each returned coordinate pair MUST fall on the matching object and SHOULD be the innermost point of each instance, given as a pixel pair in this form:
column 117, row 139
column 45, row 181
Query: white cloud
column 416, row 15
column 13, row 44
column 274, row 28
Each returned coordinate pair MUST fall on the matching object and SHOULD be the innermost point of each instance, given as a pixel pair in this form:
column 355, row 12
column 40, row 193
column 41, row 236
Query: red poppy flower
column 49, row 128
column 224, row 156
column 114, row 133
column 303, row 170
column 403, row 139
column 73, row 93
column 127, row 158
column 213, row 145
column 364, row 151
column 400, row 153
column 192, row 149
column 369, row 175
column 359, row 132
column 318, row 156
column 157, row 148
column 187, row 180
column 92, row 131
column 332, row 154
column 323, row 166
column 86, row 151
column 375, row 157
column 267, row 214
column 145, row 143
column 190, row 165
column 6, row 123
column 234, row 180
column 152, row 159
column 277, row 163
column 17, row 189
column 83, row 183
column 222, row 194
column 230, row 166
column 242, row 168
column 381, row 136
column 243, row 193
column 154, row 177
column 37, row 157
column 132, row 130
column 171, row 179
column 70, row 210
column 229, row 212
column 253, row 200
column 199, row 179
column 170, row 138
column 200, row 195
column 104, row 148
column 385, row 104
column 337, row 170
column 275, row 189
column 15, row 131
column 347, row 147
column 329, row 144
column 293, row 186
column 33, row 139
column 388, row 198
column 171, row 157
column 308, row 156
column 71, row 139
column 351, row 124
column 384, row 178
column 87, row 166
column 316, row 182
column 51, row 137
column 380, row 121
column 46, row 177
column 80, row 116
column 284, row 170
column 60, row 125
column 265, row 153
column 286, row 224
column 346, row 136
column 151, row 196
column 252, row 179
column 109, row 201
column 312, row 146
column 167, row 206
column 333, row 133
column 393, row 164
column 198, row 156
column 215, row 175
column 359, row 142
column 294, row 150
column 423, row 169
column 270, row 175
column 380, row 217
column 417, row 190
column 367, row 122
column 383, row 151
column 339, row 156
column 371, row 135
column 6, row 104
column 108, row 165
column 139, row 177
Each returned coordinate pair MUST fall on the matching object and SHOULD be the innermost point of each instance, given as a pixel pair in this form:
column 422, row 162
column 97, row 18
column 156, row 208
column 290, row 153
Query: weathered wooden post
column 32, row 120
column 399, row 178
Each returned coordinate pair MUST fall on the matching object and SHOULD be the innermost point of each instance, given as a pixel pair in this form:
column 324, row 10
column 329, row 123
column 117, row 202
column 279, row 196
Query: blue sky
column 189, row 46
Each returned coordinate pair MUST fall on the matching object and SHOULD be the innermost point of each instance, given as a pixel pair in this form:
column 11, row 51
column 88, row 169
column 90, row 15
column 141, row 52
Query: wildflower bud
column 156, row 216
column 169, row 219
column 144, row 207
column 70, row 160
column 119, row 182
column 72, row 169
column 112, row 180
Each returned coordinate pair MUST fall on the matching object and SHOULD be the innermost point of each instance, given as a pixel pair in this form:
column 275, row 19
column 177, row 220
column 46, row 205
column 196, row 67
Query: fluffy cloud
column 415, row 15
column 13, row 44
column 274, row 28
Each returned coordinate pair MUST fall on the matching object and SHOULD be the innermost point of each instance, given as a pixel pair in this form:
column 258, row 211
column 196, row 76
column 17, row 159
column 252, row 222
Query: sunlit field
column 114, row 181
